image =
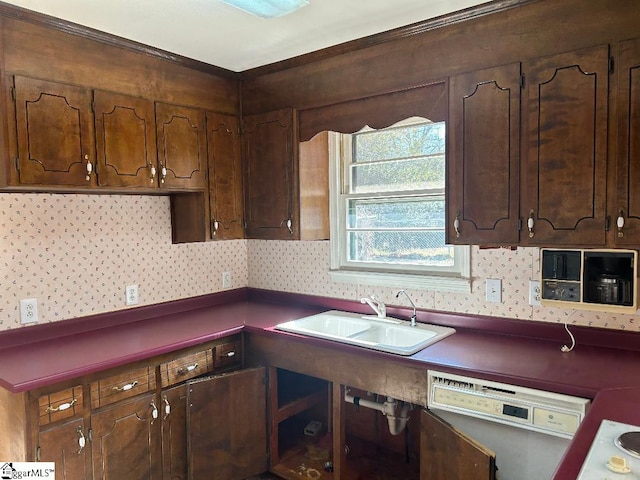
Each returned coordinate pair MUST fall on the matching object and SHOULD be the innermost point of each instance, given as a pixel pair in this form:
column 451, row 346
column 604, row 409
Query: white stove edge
column 603, row 448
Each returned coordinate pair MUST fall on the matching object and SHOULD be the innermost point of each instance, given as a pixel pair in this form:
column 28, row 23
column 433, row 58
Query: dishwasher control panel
column 538, row 410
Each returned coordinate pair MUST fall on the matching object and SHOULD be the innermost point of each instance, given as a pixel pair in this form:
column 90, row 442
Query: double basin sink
column 385, row 334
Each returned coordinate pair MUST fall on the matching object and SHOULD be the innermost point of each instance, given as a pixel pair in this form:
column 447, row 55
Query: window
column 388, row 209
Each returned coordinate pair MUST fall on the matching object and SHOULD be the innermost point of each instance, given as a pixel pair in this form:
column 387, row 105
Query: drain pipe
column 388, row 409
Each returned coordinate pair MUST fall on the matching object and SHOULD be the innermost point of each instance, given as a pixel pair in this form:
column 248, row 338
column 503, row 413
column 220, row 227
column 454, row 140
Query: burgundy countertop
column 34, row 357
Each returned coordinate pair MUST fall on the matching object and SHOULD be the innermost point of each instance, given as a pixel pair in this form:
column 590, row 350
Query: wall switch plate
column 494, row 290
column 534, row 293
column 131, row 294
column 227, row 280
column 28, row 310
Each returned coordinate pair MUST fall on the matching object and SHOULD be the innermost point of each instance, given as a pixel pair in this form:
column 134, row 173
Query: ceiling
column 218, row 34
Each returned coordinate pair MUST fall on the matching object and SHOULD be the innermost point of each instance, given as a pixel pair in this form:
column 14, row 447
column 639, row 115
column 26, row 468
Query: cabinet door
column 447, row 453
column 271, row 182
column 66, row 445
column 125, row 140
column 54, row 133
column 628, row 158
column 226, row 426
column 225, row 176
column 483, row 158
column 126, row 441
column 174, row 433
column 565, row 177
column 182, row 148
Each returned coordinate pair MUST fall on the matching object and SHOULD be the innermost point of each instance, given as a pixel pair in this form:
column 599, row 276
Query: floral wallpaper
column 302, row 267
column 76, row 254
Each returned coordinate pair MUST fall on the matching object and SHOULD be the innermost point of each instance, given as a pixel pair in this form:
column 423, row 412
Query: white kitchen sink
column 387, row 334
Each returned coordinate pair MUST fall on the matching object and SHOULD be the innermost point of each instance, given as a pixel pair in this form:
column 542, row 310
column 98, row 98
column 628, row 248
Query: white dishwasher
column 529, row 430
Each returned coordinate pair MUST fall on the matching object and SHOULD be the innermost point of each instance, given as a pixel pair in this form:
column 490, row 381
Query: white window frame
column 456, row 279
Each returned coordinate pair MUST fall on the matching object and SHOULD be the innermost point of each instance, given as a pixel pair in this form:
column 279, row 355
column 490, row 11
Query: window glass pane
column 396, row 213
column 406, row 248
column 405, row 141
column 420, row 173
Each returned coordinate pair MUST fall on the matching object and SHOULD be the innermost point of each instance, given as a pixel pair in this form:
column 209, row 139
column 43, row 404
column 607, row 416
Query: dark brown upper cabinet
column 225, row 176
column 565, row 172
column 626, row 210
column 182, row 147
column 270, row 150
column 484, row 157
column 53, row 135
column 125, row 140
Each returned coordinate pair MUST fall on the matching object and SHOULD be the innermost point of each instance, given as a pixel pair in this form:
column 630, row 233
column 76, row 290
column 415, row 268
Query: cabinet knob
column 530, row 224
column 89, row 168
column 215, row 226
column 167, row 407
column 620, row 224
column 81, row 440
column 153, row 173
column 185, row 370
column 61, row 407
column 126, row 387
column 456, row 224
column 154, row 412
column 163, row 174
column 289, row 224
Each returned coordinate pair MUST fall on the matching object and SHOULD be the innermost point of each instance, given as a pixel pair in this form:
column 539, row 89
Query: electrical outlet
column 28, row 310
column 534, row 293
column 494, row 290
column 131, row 294
column 227, row 280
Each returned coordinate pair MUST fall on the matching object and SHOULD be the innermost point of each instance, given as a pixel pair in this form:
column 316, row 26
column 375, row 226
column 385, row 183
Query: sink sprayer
column 388, row 409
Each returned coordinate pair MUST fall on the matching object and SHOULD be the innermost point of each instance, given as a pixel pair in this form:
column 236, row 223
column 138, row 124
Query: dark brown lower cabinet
column 447, row 453
column 126, row 440
column 63, row 444
column 174, row 433
column 226, row 426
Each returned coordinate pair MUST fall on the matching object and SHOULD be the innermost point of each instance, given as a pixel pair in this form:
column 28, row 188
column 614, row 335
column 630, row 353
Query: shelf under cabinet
column 300, row 405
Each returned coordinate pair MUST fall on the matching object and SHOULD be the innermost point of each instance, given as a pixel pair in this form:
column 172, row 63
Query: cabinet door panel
column 125, row 140
column 225, row 176
column 271, row 177
column 55, row 136
column 174, row 433
column 447, row 453
column 483, row 157
column 60, row 444
column 226, row 425
column 126, row 441
column 628, row 158
column 565, row 179
column 182, row 146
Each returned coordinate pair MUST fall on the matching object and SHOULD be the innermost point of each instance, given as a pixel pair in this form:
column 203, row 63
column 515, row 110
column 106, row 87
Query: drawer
column 227, row 354
column 60, row 405
column 186, row 367
column 124, row 385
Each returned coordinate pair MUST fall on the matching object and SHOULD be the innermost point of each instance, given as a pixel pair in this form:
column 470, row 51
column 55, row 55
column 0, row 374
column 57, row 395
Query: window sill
column 441, row 284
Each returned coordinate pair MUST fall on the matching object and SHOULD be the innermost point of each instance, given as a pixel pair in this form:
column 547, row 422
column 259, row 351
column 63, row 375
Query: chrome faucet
column 413, row 316
column 377, row 306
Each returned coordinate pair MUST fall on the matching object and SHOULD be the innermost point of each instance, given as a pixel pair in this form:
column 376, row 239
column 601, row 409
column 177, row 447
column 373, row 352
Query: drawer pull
column 81, row 440
column 231, row 353
column 190, row 368
column 126, row 387
column 61, row 407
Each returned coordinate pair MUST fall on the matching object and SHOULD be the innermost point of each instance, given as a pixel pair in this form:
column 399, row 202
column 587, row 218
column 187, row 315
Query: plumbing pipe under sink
column 388, row 409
